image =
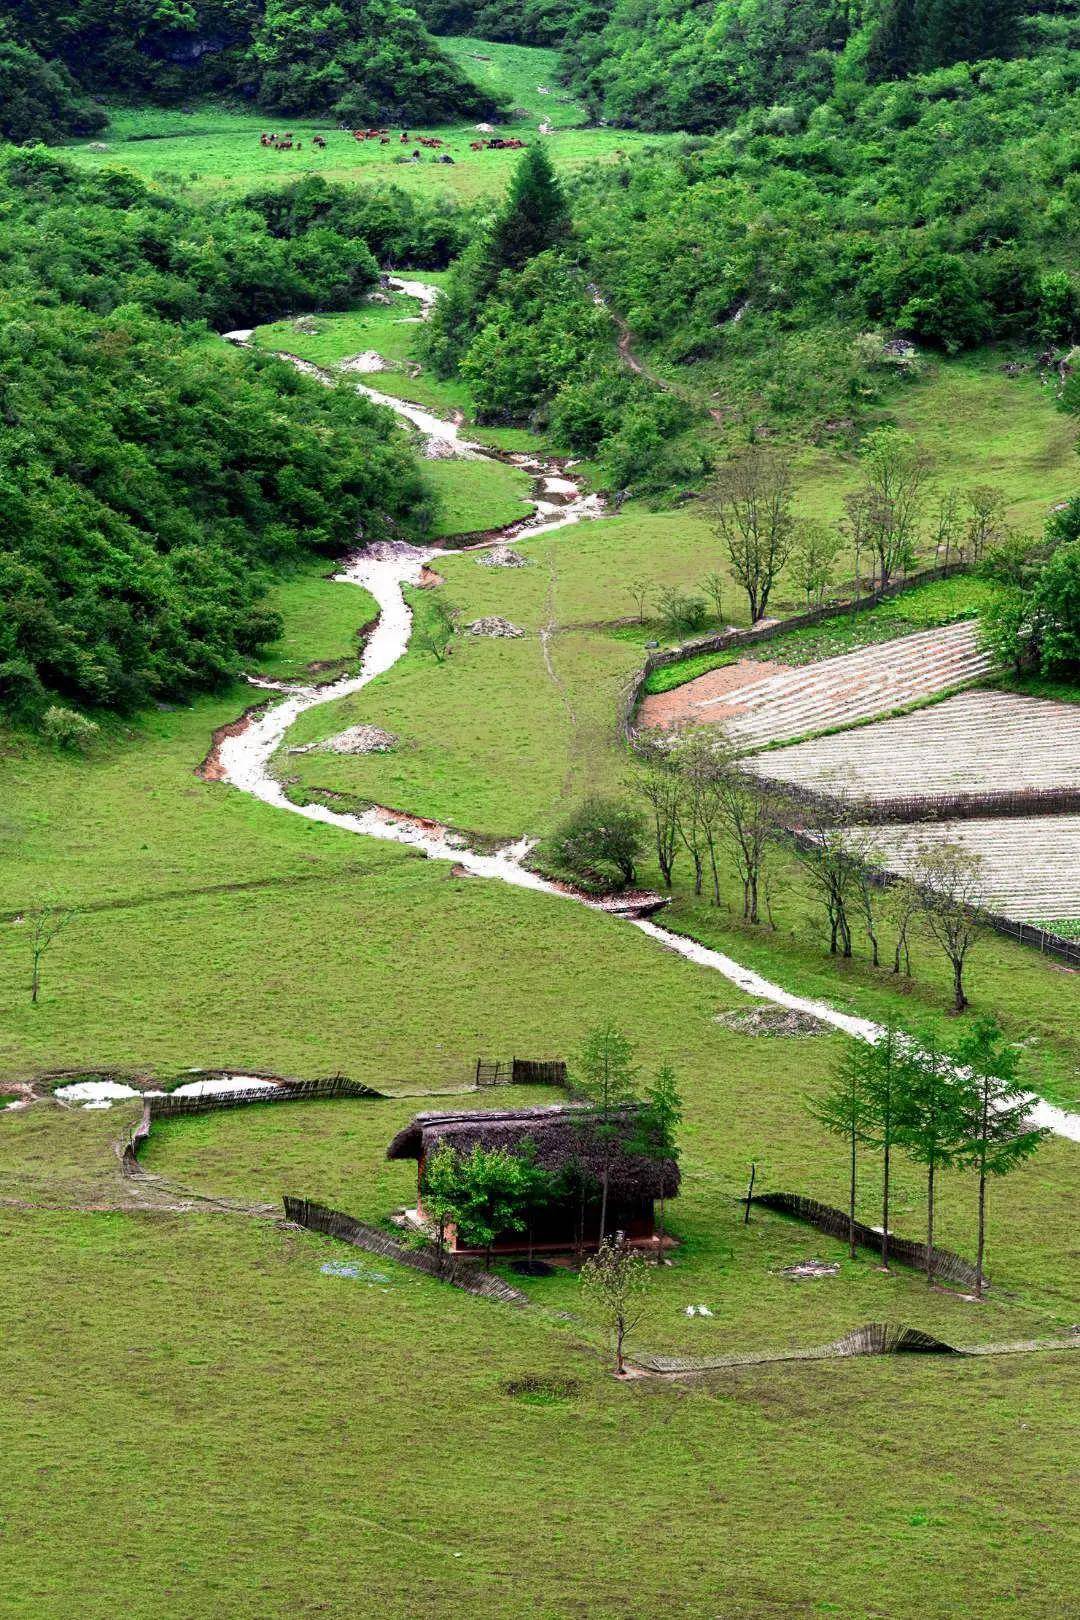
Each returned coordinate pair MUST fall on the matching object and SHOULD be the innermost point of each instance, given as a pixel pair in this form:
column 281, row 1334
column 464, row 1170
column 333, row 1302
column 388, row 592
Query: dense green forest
column 350, row 61
column 697, row 65
column 786, row 267
column 152, row 477
column 945, row 207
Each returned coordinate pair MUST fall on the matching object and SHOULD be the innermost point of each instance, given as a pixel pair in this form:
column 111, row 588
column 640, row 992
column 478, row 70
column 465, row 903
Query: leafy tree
column 933, row 1121
column 39, row 100
column 843, row 1109
column 350, row 60
column 441, row 1188
column 749, row 506
column 606, row 1077
column 490, row 1194
column 657, row 1130
column 614, row 1279
column 601, row 834
column 999, row 1138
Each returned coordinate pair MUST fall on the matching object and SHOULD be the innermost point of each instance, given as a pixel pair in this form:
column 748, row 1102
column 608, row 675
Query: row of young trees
column 701, row 802
column 492, row 1190
column 893, row 518
column 959, row 1107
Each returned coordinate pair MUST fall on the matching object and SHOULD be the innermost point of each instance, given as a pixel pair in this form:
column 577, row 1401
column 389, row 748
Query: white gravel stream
column 383, row 570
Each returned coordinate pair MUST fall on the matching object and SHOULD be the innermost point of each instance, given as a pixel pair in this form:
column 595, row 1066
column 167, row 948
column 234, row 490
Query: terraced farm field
column 1031, row 864
column 975, row 742
column 765, row 703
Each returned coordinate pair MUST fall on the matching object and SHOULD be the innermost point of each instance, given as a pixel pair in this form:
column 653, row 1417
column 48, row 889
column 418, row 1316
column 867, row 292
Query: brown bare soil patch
column 211, row 769
column 669, row 709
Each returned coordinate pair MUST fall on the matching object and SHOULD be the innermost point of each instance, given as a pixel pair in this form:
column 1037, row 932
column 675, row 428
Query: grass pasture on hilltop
column 215, row 149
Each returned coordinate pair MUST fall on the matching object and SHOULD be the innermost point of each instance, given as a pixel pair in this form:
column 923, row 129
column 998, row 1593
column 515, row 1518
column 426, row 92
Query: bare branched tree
column 640, row 590
column 750, row 508
column 655, row 778
column 902, row 904
column 715, row 587
column 951, row 881
column 701, row 765
column 835, row 852
column 47, row 924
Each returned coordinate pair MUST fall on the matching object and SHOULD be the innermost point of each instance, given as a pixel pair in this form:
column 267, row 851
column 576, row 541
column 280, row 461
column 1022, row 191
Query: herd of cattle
column 496, row 143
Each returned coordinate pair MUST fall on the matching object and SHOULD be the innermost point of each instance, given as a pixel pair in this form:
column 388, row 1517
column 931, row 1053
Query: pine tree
column 999, row 1138
column 605, row 1076
column 656, row 1128
column 932, row 1127
column 844, row 1111
column 533, row 218
column 884, row 1085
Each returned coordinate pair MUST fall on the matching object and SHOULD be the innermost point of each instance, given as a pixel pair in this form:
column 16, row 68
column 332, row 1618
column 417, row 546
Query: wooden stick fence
column 337, row 1085
column 947, row 1266
column 346, row 1228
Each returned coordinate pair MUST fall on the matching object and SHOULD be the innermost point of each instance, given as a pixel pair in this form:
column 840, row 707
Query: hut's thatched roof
column 564, row 1137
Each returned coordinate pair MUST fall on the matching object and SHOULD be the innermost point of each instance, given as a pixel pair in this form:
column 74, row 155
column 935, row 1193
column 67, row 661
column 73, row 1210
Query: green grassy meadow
column 239, row 1405
column 213, row 149
column 198, row 1421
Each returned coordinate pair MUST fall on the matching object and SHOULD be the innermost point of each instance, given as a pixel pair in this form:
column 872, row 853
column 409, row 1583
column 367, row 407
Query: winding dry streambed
column 244, row 752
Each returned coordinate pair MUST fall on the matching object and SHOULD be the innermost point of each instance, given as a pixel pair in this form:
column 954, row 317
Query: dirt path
column 641, row 368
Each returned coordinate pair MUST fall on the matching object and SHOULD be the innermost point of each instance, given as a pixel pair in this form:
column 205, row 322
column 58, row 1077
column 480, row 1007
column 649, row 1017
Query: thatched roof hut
column 566, row 1142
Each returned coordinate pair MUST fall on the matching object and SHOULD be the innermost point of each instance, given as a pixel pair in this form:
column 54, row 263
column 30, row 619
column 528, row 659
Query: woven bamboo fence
column 972, row 806
column 337, row 1085
column 335, row 1224
column 520, row 1072
column 946, row 1265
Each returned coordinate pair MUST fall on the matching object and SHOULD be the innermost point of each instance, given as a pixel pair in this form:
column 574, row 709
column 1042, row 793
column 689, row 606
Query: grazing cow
column 317, row 140
column 404, row 137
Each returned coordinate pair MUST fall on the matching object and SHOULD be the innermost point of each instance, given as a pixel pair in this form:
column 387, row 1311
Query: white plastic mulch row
column 103, row 1093
column 972, row 743
column 854, row 686
column 1031, row 864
